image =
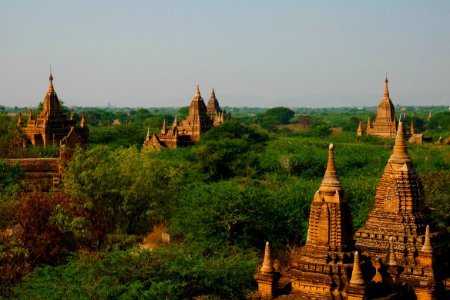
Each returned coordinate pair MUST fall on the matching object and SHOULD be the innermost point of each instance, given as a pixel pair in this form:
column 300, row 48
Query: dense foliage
column 165, row 273
column 276, row 116
column 119, row 190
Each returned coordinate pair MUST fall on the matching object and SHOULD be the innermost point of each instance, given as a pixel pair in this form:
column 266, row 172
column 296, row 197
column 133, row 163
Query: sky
column 254, row 53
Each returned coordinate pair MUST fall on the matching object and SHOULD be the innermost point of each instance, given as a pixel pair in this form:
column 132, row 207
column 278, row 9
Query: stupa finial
column 357, row 276
column 330, row 182
column 19, row 120
column 392, row 260
column 164, row 127
column 386, row 87
column 399, row 155
column 83, row 120
column 267, row 266
column 50, row 78
column 427, row 244
column 359, row 131
column 175, row 122
column 197, row 90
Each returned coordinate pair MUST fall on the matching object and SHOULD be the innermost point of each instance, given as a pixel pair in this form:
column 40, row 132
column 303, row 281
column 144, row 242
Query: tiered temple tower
column 385, row 122
column 399, row 254
column 395, row 231
column 321, row 269
column 199, row 120
column 216, row 114
column 52, row 125
column 213, row 104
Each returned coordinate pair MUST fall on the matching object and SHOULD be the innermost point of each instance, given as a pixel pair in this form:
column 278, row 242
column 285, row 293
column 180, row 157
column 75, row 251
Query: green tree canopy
column 275, row 116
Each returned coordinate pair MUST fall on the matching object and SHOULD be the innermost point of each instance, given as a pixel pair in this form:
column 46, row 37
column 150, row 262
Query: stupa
column 385, row 122
column 395, row 237
column 51, row 126
column 397, row 254
column 322, row 268
column 199, row 120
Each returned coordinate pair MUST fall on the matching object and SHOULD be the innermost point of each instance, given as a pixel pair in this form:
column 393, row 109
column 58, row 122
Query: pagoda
column 51, row 126
column 396, row 236
column 216, row 114
column 322, row 268
column 385, row 122
column 397, row 254
column 199, row 120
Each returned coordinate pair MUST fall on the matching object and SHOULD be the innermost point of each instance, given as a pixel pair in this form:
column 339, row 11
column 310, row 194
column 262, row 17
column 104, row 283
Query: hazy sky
column 254, row 53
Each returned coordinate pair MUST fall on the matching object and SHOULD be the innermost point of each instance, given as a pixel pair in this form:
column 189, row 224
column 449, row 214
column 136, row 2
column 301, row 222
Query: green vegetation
column 276, row 116
column 165, row 273
column 219, row 200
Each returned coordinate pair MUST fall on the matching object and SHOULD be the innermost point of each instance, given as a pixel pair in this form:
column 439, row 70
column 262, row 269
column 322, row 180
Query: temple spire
column 197, row 91
column 357, row 275
column 399, row 155
column 427, row 244
column 330, row 182
column 83, row 120
column 392, row 258
column 175, row 121
column 147, row 138
column 359, row 131
column 19, row 120
column 386, row 87
column 50, row 78
column 267, row 266
column 164, row 127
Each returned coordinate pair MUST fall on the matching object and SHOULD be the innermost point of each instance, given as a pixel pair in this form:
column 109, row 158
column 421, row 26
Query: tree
column 229, row 150
column 33, row 237
column 10, row 175
column 171, row 272
column 142, row 114
column 183, row 112
column 10, row 136
column 244, row 213
column 148, row 189
column 121, row 190
column 233, row 129
column 276, row 116
column 281, row 115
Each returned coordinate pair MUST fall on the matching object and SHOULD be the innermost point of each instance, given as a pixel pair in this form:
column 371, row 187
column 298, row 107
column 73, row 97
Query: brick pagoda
column 385, row 122
column 200, row 119
column 395, row 237
column 321, row 269
column 51, row 126
column 397, row 254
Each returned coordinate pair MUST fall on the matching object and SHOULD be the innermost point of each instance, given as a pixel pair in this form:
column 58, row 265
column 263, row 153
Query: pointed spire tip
column 267, row 266
column 427, row 244
column 357, row 277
